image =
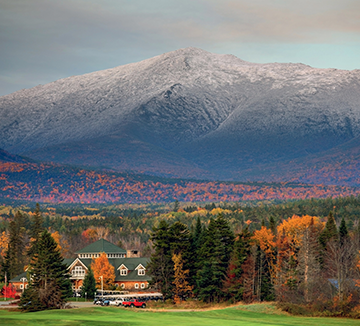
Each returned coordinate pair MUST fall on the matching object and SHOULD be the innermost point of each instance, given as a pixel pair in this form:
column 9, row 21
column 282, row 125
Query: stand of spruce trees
column 320, row 272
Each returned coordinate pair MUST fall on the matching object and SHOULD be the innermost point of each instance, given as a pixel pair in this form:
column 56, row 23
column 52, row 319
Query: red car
column 134, row 303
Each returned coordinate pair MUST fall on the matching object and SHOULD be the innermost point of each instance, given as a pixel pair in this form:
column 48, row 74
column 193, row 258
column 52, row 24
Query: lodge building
column 130, row 269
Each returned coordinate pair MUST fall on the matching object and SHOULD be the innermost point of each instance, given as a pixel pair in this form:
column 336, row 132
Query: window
column 122, row 285
column 116, row 285
column 21, row 286
column 26, row 286
column 142, row 285
column 123, row 272
column 136, row 285
column 78, row 271
column 141, row 271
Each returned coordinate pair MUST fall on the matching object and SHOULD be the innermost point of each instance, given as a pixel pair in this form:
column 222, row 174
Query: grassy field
column 252, row 316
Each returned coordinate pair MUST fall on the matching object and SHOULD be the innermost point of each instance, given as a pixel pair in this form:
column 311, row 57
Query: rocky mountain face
column 186, row 113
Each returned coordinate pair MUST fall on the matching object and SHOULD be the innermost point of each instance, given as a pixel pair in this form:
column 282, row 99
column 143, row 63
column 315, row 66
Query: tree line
column 299, row 261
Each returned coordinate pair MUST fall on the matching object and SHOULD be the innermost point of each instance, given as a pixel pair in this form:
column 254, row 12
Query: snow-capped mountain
column 185, row 109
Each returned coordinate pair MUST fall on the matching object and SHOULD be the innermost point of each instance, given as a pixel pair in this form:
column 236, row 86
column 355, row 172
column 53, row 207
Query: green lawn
column 120, row 316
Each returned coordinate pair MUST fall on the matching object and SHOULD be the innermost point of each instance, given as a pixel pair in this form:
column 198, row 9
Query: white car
column 117, row 302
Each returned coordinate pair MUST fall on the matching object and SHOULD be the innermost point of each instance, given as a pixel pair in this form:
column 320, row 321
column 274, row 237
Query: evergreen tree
column 35, row 231
column 176, row 205
column 50, row 284
column 15, row 257
column 88, row 288
column 329, row 232
column 161, row 266
column 197, row 235
column 211, row 276
column 180, row 239
column 239, row 281
column 272, row 225
column 214, row 254
column 343, row 232
column 264, row 288
column 226, row 237
column 197, row 239
column 327, row 235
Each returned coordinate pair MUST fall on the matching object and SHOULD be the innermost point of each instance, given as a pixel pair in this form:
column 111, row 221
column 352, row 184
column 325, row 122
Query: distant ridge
column 7, row 157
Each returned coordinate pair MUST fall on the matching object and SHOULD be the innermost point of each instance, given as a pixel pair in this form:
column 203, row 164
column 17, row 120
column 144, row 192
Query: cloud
column 289, row 21
column 42, row 40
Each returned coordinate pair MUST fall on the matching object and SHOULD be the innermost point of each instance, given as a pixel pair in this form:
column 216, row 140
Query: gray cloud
column 43, row 40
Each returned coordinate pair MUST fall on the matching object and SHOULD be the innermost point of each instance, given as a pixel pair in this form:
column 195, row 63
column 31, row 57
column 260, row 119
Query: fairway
column 117, row 316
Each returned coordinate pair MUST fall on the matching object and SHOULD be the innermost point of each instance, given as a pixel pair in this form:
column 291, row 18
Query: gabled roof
column 19, row 277
column 101, row 245
column 76, row 261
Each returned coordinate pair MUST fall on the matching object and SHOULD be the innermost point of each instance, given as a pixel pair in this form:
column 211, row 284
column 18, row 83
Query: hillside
column 192, row 114
column 61, row 184
column 8, row 157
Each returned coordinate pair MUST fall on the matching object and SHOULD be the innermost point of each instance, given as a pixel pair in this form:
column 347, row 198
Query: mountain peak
column 215, row 111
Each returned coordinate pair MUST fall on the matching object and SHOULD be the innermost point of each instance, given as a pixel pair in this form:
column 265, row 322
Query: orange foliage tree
column 4, row 242
column 90, row 235
column 295, row 226
column 62, row 244
column 265, row 239
column 182, row 287
column 102, row 267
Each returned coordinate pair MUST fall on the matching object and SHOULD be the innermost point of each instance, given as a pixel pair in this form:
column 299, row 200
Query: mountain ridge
column 214, row 114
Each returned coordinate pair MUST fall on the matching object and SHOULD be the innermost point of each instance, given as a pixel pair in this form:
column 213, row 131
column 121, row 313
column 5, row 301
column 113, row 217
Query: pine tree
column 180, row 239
column 161, row 266
column 35, row 231
column 226, row 238
column 88, row 288
column 239, row 281
column 343, row 232
column 15, row 257
column 329, row 232
column 215, row 255
column 176, row 205
column 211, row 276
column 272, row 225
column 50, row 284
column 197, row 239
column 327, row 235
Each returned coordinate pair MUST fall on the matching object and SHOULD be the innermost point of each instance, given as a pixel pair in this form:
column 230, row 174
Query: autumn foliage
column 182, row 288
column 60, row 184
column 102, row 268
column 8, row 291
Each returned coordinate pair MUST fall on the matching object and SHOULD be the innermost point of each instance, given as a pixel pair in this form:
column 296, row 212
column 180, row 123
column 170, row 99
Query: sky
column 44, row 40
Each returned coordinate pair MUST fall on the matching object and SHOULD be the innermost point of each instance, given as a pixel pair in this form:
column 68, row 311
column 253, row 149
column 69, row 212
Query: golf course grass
column 120, row 316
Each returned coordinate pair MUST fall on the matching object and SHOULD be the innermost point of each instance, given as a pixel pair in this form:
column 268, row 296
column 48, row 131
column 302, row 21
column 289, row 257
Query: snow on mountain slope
column 215, row 110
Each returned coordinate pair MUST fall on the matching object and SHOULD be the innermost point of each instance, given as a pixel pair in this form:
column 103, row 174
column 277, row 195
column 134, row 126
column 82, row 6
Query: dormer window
column 123, row 272
column 141, row 271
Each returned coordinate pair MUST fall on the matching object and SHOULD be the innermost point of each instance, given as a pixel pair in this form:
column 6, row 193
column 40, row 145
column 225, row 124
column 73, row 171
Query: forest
column 244, row 250
column 130, row 225
column 53, row 183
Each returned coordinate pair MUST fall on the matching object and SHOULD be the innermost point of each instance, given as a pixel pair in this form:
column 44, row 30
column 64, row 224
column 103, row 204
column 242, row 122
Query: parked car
column 106, row 302
column 98, row 301
column 134, row 303
column 117, row 302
